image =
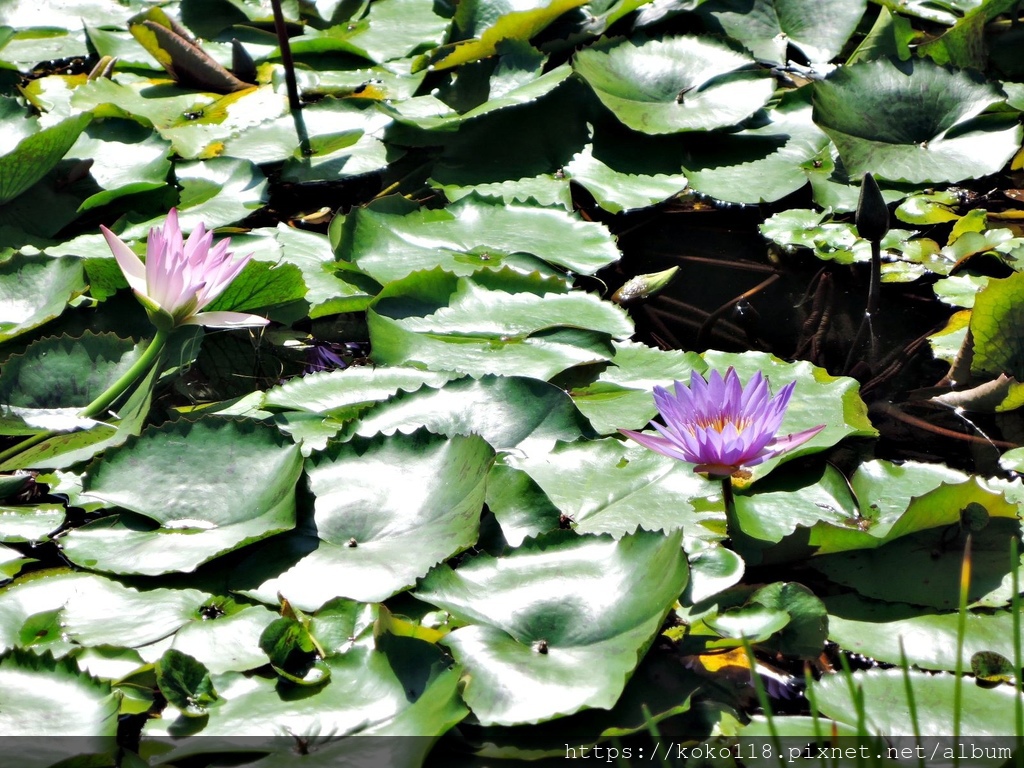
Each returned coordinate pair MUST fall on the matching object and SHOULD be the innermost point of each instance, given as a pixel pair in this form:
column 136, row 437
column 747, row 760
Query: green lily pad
column 775, row 507
column 37, row 154
column 41, row 697
column 293, row 652
column 508, row 413
column 229, row 643
column 675, row 84
column 545, row 189
column 519, row 24
column 29, row 524
column 556, row 647
column 376, row 536
column 128, row 159
column 929, row 208
column 627, row 486
column 713, row 570
column 297, row 265
column 11, row 563
column 349, row 146
column 218, row 191
column 185, row 683
column 920, row 564
column 983, row 712
column 435, row 319
column 329, row 391
column 261, row 285
column 914, row 121
column 468, row 236
column 766, row 27
column 13, row 484
column 209, row 486
column 770, row 158
column 658, row 689
column 394, row 29
column 35, row 289
column 204, row 128
column 46, row 387
column 89, row 610
column 874, row 629
column 519, row 505
column 65, row 449
column 997, row 307
column 905, row 256
column 403, row 687
column 617, row 190
column 896, row 500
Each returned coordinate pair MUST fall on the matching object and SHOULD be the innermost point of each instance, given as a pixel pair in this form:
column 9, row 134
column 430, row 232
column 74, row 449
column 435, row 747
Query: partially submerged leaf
column 180, row 55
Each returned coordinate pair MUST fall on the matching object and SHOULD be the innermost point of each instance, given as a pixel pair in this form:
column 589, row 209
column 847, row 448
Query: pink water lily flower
column 180, row 276
column 721, row 426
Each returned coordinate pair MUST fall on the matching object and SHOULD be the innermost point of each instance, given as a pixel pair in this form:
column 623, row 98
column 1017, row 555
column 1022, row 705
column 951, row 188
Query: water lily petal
column 661, row 445
column 131, row 265
column 789, row 442
column 179, row 277
column 720, row 425
column 226, row 320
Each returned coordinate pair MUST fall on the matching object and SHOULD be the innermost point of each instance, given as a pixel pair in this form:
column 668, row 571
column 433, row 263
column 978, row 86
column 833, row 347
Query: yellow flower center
column 718, row 423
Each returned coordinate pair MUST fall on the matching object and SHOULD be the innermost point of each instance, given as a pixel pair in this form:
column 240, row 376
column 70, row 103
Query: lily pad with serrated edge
column 434, row 319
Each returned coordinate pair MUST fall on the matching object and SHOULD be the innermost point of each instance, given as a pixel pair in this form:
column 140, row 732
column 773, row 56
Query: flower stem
column 732, row 522
column 115, row 390
column 106, row 399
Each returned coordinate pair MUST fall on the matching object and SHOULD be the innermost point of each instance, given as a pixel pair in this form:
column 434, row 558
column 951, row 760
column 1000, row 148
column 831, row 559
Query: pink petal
column 172, row 232
column 226, row 320
column 131, row 265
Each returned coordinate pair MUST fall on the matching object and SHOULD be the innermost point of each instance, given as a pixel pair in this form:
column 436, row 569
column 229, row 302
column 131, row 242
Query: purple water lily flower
column 180, row 276
column 721, row 426
column 321, row 356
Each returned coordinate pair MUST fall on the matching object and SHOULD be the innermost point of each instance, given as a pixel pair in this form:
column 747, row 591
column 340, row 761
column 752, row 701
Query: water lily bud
column 643, row 286
column 872, row 214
